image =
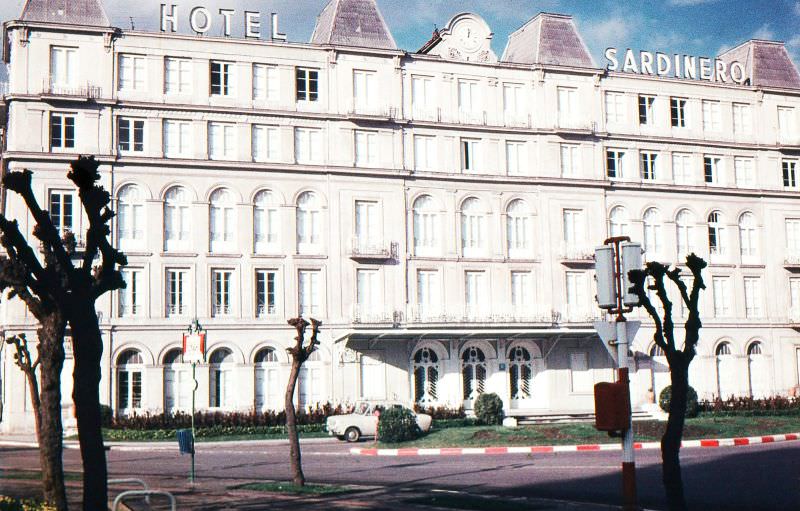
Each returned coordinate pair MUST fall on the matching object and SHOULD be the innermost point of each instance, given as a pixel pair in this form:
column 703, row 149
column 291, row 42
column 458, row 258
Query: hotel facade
column 437, row 210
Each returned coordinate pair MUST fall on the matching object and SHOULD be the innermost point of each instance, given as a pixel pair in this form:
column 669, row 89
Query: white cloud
column 797, row 8
column 684, row 3
column 764, row 32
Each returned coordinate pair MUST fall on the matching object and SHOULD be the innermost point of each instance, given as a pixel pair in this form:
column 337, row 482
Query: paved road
column 732, row 478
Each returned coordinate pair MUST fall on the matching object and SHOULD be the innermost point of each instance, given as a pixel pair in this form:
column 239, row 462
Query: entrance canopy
column 398, row 334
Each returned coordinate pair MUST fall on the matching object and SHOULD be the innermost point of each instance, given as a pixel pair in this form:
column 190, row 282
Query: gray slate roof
column 353, row 23
column 72, row 12
column 767, row 63
column 548, row 39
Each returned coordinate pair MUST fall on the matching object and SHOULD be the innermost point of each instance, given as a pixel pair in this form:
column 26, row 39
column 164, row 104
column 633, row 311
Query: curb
column 167, row 445
column 548, row 449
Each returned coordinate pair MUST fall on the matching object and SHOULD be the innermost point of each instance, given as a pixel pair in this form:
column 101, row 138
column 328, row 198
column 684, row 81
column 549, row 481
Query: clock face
column 468, row 37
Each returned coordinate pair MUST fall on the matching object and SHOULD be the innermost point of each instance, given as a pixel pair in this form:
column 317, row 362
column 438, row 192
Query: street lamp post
column 194, row 349
column 613, row 261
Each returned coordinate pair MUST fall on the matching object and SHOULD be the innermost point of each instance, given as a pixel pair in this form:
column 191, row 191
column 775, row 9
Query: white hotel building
column 437, row 209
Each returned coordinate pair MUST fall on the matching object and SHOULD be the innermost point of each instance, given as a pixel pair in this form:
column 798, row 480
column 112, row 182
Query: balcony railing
column 86, row 91
column 372, row 314
column 371, row 110
column 488, row 313
column 576, row 252
column 373, row 249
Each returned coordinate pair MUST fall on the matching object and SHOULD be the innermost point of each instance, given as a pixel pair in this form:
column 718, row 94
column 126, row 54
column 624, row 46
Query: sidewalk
column 18, row 440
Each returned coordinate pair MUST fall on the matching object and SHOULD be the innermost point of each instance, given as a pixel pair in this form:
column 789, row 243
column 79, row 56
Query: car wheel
column 352, row 434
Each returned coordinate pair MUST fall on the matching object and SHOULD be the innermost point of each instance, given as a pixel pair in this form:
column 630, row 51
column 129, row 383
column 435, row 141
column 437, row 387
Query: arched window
column 517, row 229
column 311, row 381
column 716, row 234
column 653, row 239
column 618, row 221
column 520, row 371
column 130, row 217
column 473, row 372
column 426, row 376
column 265, row 222
column 267, row 380
column 757, row 371
column 684, row 226
column 129, row 382
column 726, row 371
column 309, row 222
column 221, row 384
column 724, row 348
column 177, row 385
column 473, row 227
column 177, row 219
column 222, row 221
column 747, row 235
column 426, row 226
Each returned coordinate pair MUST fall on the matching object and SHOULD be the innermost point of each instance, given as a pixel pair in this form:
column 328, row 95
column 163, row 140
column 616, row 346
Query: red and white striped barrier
column 545, row 449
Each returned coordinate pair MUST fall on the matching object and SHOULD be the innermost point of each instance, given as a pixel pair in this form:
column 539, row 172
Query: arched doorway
column 520, row 373
column 726, row 372
column 267, row 391
column 473, row 374
column 177, row 383
column 426, row 376
column 129, row 382
column 757, row 371
column 221, row 384
column 311, row 382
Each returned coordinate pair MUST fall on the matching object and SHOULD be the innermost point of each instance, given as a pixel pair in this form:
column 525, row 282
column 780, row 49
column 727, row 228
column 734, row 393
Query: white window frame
column 426, row 224
column 265, row 82
column 221, row 292
column 59, row 211
column 744, row 168
column 615, row 158
column 473, row 228
column 63, row 67
column 62, row 142
column 177, row 75
column 615, row 108
column 516, row 161
column 570, row 160
column 789, row 169
column 221, row 141
column 307, row 76
column 225, row 72
column 712, row 168
column 266, row 293
column 176, row 297
column 266, row 223
column 309, row 293
column 742, row 118
column 721, row 286
column 365, row 145
column 308, row 146
column 712, row 117
column 646, row 109
column 753, row 297
column 177, row 209
column 365, row 93
column 309, row 223
column 648, row 165
column 177, row 138
column 127, row 128
column 266, row 143
column 677, row 112
column 130, row 297
column 130, row 217
column 425, row 152
column 682, row 169
column 471, row 155
column 132, row 72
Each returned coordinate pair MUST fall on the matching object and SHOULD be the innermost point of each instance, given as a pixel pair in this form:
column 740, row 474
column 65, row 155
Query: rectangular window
column 677, row 108
column 712, row 120
column 793, row 236
column 423, row 99
column 742, row 118
column 722, row 296
column 365, row 92
column 515, row 158
column 648, row 166
column 63, row 66
column 789, row 173
column 130, row 296
column 177, row 139
column 467, row 95
column 711, row 169
column 60, row 205
column 682, row 169
column 513, row 101
column 745, row 175
column 428, row 293
column 646, row 113
column 266, row 293
column 367, row 292
column 794, row 297
column 309, row 297
column 62, row 131
column 221, row 78
column 469, row 155
column 265, row 143
column 177, row 302
column 521, row 291
column 265, row 82
column 574, row 226
column 786, row 122
column 177, row 76
column 752, row 297
column 221, row 293
column 577, row 295
column 130, row 134
column 424, row 152
column 615, row 107
column 132, row 72
column 307, row 84
column 567, row 105
column 366, row 148
column 367, row 225
column 614, row 160
column 221, row 141
column 475, row 293
column 570, row 160
column 308, row 145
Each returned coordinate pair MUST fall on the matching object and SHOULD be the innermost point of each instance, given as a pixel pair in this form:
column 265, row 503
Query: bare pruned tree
column 299, row 353
column 71, row 281
column 678, row 357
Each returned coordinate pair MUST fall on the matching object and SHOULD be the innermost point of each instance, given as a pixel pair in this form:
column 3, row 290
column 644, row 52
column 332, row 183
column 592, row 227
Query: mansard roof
column 548, row 39
column 766, row 63
column 72, row 12
column 353, row 23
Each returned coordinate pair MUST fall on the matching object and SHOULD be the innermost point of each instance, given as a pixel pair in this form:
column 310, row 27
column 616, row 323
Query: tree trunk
column 671, row 441
column 88, row 351
column 291, row 425
column 49, row 428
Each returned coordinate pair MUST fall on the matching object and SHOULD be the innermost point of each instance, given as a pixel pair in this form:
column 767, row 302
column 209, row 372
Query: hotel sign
column 676, row 66
column 201, row 21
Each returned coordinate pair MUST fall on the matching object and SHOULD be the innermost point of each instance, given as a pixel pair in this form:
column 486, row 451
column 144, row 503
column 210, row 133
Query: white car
column 363, row 421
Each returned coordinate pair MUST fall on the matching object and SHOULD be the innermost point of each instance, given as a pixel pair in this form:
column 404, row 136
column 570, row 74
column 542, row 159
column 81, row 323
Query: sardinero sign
column 675, row 66
column 201, row 21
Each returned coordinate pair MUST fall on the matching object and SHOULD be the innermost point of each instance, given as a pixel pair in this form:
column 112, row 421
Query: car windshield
column 362, row 408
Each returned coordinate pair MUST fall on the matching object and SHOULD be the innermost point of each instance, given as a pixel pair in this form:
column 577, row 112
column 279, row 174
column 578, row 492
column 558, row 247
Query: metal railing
column 360, row 247
column 486, row 313
column 78, row 91
column 144, row 493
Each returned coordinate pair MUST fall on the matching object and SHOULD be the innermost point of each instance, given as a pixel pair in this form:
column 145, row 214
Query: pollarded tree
column 678, row 357
column 74, row 281
column 299, row 353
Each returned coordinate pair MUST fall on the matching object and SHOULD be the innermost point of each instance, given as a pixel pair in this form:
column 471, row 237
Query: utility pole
column 613, row 261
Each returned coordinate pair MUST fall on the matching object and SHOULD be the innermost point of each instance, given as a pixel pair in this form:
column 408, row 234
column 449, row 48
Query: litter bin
column 185, row 441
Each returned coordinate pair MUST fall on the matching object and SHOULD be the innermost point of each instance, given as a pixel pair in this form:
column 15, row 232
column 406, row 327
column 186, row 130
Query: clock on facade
column 468, row 36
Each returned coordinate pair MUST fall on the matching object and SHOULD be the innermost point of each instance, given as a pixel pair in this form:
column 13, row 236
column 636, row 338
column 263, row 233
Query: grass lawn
column 286, row 487
column 580, row 433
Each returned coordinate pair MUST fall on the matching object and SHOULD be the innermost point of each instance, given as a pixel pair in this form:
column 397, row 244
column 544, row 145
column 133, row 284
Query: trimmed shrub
column 441, row 412
column 397, row 424
column 14, row 504
column 748, row 406
column 692, row 408
column 489, row 409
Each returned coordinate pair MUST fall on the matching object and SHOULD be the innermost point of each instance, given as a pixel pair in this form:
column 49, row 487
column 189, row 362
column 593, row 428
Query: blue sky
column 696, row 27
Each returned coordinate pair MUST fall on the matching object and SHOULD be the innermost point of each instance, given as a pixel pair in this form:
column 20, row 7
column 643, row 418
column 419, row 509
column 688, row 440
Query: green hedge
column 397, row 424
column 15, row 504
column 212, row 432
